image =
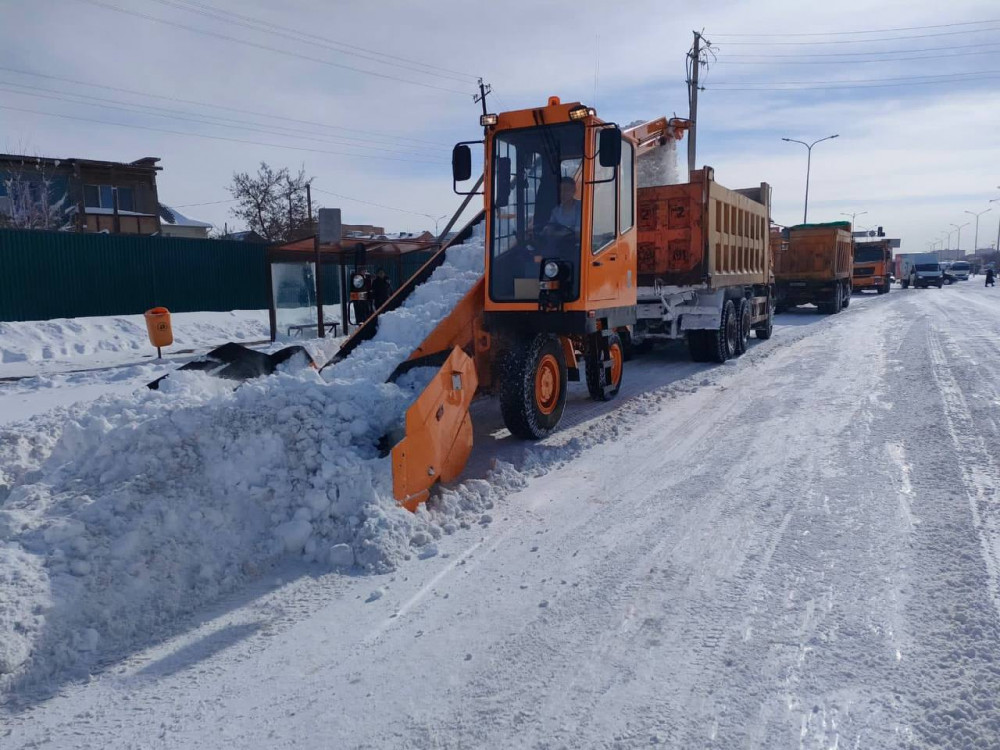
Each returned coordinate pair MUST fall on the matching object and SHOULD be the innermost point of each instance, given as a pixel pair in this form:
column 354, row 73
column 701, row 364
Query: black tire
column 940, row 285
column 599, row 359
column 905, row 283
column 847, row 297
column 882, row 289
column 765, row 330
column 518, row 371
column 743, row 323
column 833, row 306
column 722, row 341
column 628, row 350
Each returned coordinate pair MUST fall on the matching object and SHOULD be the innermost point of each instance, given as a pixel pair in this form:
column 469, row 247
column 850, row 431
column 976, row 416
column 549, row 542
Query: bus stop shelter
column 304, row 303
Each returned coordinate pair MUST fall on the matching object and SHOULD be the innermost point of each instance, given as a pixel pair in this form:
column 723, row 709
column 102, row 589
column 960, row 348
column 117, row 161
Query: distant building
column 360, row 230
column 175, row 224
column 90, row 196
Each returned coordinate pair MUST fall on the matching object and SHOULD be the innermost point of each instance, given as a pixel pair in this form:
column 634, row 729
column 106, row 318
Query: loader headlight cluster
column 550, row 270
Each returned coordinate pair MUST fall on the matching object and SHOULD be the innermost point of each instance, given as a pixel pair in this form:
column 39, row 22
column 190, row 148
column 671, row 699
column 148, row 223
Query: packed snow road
column 800, row 549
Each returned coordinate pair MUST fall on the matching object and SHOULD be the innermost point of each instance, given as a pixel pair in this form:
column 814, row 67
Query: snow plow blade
column 238, row 362
column 438, row 436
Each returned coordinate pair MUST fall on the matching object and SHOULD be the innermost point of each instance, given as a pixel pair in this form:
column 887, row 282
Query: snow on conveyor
column 137, row 508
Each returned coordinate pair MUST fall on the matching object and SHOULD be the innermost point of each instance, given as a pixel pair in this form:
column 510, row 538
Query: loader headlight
column 550, row 270
column 358, row 282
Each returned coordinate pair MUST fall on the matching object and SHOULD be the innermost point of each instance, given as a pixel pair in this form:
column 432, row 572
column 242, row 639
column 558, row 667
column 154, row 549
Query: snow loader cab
column 560, row 249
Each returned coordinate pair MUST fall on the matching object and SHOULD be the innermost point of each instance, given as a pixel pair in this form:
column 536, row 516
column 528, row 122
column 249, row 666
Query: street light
column 809, row 149
column 958, row 239
column 856, row 213
column 994, row 200
column 975, row 242
column 435, row 222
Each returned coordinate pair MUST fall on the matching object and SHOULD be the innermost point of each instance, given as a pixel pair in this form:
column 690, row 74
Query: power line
column 870, row 31
column 371, row 133
column 726, row 61
column 848, row 41
column 211, row 137
column 257, row 45
column 332, row 44
column 370, row 203
column 198, row 119
column 862, row 80
column 849, row 86
column 868, row 54
column 206, row 203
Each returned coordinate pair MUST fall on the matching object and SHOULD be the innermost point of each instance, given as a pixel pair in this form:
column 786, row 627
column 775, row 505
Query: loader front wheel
column 533, row 386
column 605, row 361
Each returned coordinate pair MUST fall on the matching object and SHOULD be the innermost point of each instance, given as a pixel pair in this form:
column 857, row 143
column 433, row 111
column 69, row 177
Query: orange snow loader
column 558, row 297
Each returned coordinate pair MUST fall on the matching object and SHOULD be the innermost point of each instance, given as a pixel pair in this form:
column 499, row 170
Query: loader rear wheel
column 743, row 326
column 605, row 361
column 533, row 386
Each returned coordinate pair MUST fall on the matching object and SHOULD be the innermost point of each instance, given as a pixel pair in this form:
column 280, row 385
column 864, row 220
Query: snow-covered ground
column 53, row 346
column 797, row 549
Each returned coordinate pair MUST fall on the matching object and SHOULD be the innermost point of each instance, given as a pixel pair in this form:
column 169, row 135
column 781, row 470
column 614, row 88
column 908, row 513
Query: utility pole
column 694, row 63
column 484, row 89
column 309, row 204
column 994, row 200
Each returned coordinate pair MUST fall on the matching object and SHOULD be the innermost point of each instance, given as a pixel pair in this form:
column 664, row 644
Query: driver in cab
column 568, row 212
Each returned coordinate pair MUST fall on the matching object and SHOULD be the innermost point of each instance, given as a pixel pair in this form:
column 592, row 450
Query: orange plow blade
column 438, row 432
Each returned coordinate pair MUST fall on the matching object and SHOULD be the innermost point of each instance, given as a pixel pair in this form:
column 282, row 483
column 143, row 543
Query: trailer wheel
column 722, row 341
column 833, row 306
column 743, row 326
column 766, row 329
column 533, row 386
column 605, row 361
column 847, row 296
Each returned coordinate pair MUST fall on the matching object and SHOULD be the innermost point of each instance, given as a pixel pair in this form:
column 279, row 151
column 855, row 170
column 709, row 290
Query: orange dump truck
column 815, row 266
column 704, row 266
column 872, row 266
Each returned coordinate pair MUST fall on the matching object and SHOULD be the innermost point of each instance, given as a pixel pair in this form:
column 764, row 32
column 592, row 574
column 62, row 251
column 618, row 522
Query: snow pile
column 149, row 505
column 75, row 338
column 659, row 166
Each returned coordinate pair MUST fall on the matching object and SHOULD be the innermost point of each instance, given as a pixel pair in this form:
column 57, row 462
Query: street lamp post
column 435, row 222
column 994, row 200
column 958, row 239
column 856, row 213
column 975, row 242
column 809, row 149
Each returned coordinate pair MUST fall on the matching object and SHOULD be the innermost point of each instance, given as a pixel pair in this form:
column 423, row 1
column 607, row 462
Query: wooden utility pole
column 694, row 62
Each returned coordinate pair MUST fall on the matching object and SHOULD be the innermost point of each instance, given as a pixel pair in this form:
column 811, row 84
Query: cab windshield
column 536, row 208
column 868, row 254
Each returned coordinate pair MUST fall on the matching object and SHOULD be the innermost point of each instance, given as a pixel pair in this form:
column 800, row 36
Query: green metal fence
column 46, row 275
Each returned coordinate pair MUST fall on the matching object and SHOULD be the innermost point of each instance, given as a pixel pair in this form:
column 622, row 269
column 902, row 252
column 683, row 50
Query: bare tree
column 34, row 199
column 272, row 202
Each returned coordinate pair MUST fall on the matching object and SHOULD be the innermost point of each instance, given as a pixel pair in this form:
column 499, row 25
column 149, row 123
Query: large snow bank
column 76, row 338
column 146, row 506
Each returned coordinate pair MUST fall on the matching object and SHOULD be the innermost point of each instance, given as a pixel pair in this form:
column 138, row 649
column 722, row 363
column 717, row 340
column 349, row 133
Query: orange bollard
column 158, row 328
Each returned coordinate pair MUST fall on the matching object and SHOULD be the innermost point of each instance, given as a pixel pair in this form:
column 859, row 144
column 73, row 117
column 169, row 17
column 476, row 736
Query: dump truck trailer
column 872, row 266
column 815, row 267
column 704, row 266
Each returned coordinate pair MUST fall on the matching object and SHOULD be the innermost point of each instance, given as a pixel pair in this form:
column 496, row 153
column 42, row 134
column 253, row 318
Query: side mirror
column 461, row 163
column 609, row 147
column 502, row 196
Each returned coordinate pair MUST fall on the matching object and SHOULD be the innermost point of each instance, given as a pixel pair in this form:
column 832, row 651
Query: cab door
column 611, row 242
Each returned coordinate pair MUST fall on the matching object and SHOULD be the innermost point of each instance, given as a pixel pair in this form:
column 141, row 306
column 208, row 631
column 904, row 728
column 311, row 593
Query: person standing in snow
column 381, row 288
column 990, row 278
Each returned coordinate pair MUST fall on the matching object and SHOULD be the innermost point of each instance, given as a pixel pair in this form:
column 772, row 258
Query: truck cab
column 872, row 266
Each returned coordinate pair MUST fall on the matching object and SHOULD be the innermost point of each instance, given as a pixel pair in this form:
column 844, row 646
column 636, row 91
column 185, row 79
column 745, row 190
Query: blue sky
column 913, row 156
